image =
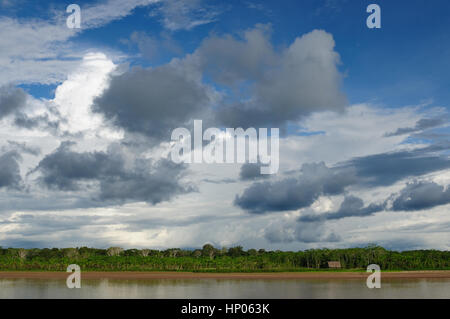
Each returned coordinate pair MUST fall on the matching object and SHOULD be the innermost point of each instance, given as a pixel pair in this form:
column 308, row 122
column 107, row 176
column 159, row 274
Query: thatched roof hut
column 334, row 264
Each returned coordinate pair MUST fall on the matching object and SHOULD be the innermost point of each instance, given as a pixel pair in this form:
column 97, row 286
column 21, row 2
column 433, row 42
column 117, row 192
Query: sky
column 86, row 116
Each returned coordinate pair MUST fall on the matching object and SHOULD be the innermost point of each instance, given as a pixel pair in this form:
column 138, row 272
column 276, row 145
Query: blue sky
column 404, row 62
column 86, row 115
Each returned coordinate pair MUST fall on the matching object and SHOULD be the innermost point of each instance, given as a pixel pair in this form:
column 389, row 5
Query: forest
column 211, row 259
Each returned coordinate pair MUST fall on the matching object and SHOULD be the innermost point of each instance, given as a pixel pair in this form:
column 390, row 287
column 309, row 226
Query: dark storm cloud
column 388, row 168
column 146, row 180
column 153, row 101
column 279, row 86
column 421, row 195
column 11, row 100
column 295, row 193
column 10, row 171
column 149, row 182
column 316, row 179
column 415, row 196
column 351, row 207
column 421, row 125
column 64, row 169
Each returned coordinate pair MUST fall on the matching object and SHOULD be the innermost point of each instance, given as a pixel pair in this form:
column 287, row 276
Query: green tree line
column 211, row 259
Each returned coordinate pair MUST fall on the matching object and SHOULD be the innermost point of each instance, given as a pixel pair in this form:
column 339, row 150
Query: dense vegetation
column 234, row 259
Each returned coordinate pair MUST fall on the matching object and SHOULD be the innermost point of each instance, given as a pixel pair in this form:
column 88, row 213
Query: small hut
column 334, row 264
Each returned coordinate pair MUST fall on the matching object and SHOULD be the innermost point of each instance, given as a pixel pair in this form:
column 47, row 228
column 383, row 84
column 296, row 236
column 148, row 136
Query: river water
column 225, row 288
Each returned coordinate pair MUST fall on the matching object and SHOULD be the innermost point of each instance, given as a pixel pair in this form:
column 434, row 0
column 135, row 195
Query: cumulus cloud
column 417, row 195
column 267, row 87
column 153, row 47
column 12, row 99
column 230, row 61
column 421, row 195
column 10, row 170
column 388, row 168
column 352, row 206
column 149, row 182
column 153, row 101
column 146, row 180
column 317, row 179
column 279, row 87
column 64, row 168
column 245, row 80
column 294, row 193
column 24, row 109
column 74, row 97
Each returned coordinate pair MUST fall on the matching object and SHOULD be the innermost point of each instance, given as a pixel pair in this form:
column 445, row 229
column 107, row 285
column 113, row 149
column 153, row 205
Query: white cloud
column 359, row 131
column 40, row 51
column 186, row 14
column 209, row 216
column 31, row 51
column 102, row 13
column 74, row 97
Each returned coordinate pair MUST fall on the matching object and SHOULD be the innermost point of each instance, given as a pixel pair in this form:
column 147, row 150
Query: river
column 225, row 288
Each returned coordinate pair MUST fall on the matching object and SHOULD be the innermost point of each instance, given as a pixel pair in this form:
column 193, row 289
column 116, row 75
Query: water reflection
column 225, row 288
